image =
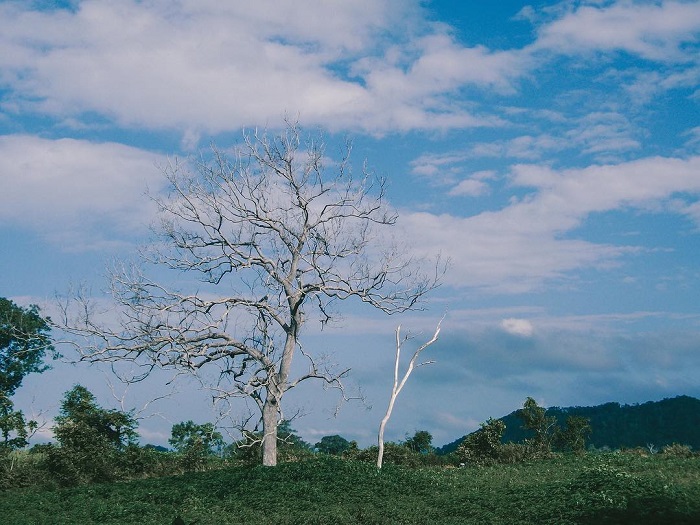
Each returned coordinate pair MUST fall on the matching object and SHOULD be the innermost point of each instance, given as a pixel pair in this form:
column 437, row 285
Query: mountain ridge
column 615, row 426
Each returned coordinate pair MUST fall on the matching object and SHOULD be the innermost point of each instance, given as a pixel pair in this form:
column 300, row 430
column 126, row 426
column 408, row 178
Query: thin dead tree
column 398, row 385
column 262, row 240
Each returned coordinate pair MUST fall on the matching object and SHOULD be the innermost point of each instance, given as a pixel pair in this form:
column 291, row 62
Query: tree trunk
column 271, row 414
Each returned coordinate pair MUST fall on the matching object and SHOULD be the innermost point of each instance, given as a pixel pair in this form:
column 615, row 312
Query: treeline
column 98, row 445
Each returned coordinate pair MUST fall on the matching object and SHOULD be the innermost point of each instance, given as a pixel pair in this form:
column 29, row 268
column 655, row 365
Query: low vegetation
column 565, row 489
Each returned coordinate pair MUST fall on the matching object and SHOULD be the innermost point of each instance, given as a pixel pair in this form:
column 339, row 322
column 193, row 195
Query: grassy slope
column 592, row 489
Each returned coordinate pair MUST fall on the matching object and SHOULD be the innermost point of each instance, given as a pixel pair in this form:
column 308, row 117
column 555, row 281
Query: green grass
column 591, row 489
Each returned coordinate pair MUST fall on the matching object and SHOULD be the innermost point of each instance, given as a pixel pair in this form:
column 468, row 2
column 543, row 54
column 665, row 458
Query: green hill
column 658, row 423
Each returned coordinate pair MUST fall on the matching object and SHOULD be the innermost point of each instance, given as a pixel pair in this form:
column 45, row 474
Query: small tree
column 573, row 437
column 544, row 427
column 399, row 384
column 91, row 439
column 189, row 437
column 275, row 238
column 483, row 446
column 196, row 443
column 421, row 442
column 80, row 416
column 14, row 428
column 24, row 342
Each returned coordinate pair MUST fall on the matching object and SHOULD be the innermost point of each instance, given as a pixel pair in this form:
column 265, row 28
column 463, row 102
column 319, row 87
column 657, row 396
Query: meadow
column 601, row 488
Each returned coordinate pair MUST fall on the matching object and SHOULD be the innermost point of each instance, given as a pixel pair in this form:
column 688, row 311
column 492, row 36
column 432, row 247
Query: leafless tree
column 275, row 235
column 398, row 385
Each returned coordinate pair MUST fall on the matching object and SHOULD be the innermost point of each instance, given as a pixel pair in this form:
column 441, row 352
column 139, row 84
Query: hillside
column 675, row 420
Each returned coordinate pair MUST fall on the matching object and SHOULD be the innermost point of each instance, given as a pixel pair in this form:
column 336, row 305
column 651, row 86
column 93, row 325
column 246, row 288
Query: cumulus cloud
column 208, row 66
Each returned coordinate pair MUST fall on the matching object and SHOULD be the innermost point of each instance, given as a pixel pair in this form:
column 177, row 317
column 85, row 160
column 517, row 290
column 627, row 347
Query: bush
column 677, row 450
column 397, row 454
column 90, row 463
column 21, row 468
column 483, row 447
column 92, row 441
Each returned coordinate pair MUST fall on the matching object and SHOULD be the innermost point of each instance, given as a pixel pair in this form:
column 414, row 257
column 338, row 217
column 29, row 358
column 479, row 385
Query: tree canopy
column 24, row 342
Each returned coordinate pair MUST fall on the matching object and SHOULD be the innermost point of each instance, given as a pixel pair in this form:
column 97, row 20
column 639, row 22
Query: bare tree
column 274, row 238
column 398, row 385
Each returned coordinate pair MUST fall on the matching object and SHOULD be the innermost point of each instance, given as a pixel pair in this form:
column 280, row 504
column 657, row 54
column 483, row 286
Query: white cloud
column 209, row 67
column 74, row 192
column 521, row 327
column 524, row 244
column 470, row 188
column 501, row 252
column 212, row 66
column 604, row 133
column 652, row 30
column 440, row 169
column 569, row 195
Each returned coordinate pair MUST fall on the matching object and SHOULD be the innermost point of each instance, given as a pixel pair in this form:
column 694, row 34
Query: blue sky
column 550, row 149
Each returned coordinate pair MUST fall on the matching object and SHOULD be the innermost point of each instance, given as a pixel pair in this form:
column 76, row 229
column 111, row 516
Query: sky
column 550, row 150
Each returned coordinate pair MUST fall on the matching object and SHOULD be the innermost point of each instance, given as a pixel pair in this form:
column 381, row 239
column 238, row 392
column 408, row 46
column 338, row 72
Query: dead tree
column 398, row 385
column 275, row 235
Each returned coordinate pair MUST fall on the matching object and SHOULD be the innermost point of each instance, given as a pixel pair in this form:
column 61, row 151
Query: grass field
column 595, row 489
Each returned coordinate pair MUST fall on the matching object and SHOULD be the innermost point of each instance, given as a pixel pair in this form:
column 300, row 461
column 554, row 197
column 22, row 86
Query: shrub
column 677, row 450
column 396, row 454
column 483, row 447
column 21, row 468
column 91, row 440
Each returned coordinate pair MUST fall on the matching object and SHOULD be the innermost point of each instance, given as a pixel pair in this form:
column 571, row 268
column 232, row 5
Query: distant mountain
column 675, row 420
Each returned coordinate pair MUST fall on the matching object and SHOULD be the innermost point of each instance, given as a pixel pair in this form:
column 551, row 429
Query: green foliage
column 13, row 427
column 484, row 446
column 398, row 454
column 334, row 445
column 566, row 490
column 616, row 426
column 24, row 341
column 203, row 439
column 394, row 454
column 21, row 468
column 677, row 450
column 573, row 437
column 81, row 419
column 91, row 440
column 543, row 427
column 195, row 443
column 421, row 442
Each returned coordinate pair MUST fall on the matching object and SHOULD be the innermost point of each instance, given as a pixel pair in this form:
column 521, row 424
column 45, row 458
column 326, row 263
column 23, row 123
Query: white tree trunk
column 269, row 442
column 398, row 386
